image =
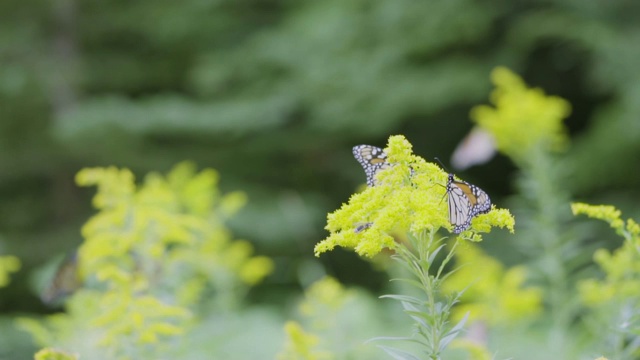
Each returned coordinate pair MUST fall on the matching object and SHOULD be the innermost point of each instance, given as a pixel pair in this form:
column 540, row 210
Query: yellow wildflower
column 409, row 196
column 523, row 117
column 621, row 266
column 495, row 295
column 300, row 345
column 326, row 293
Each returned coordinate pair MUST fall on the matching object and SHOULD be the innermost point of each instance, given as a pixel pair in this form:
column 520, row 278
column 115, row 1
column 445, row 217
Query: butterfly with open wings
column 465, row 202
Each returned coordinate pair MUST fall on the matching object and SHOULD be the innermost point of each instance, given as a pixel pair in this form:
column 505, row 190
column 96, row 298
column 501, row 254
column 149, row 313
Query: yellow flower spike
column 629, row 230
column 301, row 345
column 323, row 300
column 495, row 218
column 621, row 266
column 407, row 193
column 518, row 301
column 408, row 196
column 607, row 213
column 633, row 228
column 157, row 193
column 593, row 293
column 150, row 253
column 517, row 107
column 325, row 292
column 114, row 185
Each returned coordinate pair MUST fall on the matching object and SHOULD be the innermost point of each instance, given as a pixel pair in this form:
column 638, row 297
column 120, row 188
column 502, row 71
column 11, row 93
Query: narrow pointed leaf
column 413, row 283
column 398, row 354
column 389, row 338
column 409, row 299
column 453, row 332
column 435, row 253
column 418, row 315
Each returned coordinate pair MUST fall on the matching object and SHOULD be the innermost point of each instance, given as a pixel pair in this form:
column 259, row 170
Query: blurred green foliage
column 273, row 94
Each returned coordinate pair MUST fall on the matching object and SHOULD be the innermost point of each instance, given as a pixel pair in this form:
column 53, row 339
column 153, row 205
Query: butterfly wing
column 465, row 202
column 482, row 203
column 459, row 206
column 373, row 159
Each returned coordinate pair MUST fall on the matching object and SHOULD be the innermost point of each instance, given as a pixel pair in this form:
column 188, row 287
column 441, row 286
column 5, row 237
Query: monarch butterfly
column 465, row 202
column 372, row 159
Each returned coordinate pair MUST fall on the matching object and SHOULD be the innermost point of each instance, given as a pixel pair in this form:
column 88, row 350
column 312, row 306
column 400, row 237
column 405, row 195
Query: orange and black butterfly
column 465, row 202
column 373, row 159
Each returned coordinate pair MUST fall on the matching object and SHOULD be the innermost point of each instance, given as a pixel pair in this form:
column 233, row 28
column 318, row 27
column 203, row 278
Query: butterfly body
column 373, row 159
column 465, row 202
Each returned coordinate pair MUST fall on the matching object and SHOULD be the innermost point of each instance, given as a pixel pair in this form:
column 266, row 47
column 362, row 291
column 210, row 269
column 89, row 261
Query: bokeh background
column 273, row 94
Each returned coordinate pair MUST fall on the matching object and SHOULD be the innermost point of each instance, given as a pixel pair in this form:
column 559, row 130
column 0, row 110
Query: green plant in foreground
column 615, row 299
column 494, row 295
column 322, row 301
column 155, row 259
column 331, row 320
column 408, row 197
column 528, row 127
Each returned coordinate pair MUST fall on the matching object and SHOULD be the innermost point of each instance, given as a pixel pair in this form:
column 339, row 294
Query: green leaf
column 404, row 298
column 454, row 331
column 398, row 354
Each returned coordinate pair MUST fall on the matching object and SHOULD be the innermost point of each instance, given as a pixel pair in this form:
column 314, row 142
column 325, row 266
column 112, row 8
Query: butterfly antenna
column 444, row 167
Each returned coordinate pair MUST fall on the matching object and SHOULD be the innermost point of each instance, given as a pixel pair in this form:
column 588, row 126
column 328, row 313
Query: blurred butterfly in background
column 65, row 281
column 465, row 202
column 476, row 148
column 373, row 159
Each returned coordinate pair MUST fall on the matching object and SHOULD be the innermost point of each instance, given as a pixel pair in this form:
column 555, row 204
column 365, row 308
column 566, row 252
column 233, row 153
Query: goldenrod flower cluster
column 408, row 196
column 621, row 266
column 149, row 255
column 522, row 118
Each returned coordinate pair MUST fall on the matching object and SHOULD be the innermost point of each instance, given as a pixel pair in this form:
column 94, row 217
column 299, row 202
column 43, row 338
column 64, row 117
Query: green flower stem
column 540, row 179
column 436, row 315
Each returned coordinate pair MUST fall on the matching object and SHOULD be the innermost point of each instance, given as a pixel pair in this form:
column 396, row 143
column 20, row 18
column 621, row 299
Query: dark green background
column 274, row 94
